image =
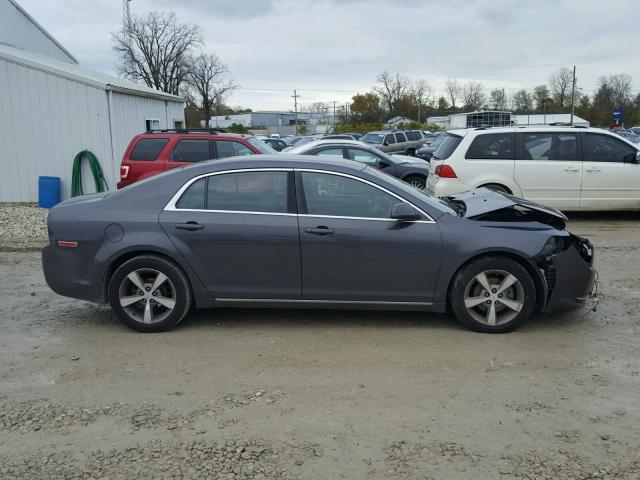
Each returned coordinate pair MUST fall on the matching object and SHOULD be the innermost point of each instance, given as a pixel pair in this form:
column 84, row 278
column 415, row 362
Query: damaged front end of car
column 566, row 264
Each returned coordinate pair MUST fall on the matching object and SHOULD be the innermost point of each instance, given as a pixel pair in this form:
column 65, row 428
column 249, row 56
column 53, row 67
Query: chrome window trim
column 171, row 205
column 375, row 185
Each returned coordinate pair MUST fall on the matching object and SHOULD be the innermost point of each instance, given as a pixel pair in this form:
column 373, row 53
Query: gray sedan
column 412, row 170
column 302, row 231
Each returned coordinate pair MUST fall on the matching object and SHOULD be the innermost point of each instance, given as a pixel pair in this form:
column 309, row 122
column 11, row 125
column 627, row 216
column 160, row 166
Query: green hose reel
column 96, row 171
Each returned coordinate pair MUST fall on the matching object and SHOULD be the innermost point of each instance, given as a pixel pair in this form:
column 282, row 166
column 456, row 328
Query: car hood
column 406, row 159
column 483, row 201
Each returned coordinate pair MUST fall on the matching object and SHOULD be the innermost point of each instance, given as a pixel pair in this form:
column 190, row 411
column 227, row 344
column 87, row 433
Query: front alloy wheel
column 493, row 295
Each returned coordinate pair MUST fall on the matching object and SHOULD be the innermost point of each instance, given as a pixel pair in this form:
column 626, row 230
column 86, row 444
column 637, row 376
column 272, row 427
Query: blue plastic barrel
column 48, row 191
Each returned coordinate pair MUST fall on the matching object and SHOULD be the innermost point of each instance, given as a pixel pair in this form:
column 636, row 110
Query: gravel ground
column 22, row 227
column 288, row 394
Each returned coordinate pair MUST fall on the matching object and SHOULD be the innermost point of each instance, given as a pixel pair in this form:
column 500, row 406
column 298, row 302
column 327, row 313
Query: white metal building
column 51, row 109
column 496, row 119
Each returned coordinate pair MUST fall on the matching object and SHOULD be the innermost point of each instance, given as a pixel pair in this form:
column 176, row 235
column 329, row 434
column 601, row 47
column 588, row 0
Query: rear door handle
column 593, row 169
column 320, row 230
column 571, row 169
column 189, row 226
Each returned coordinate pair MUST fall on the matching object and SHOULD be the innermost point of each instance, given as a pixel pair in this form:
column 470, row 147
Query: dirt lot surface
column 285, row 394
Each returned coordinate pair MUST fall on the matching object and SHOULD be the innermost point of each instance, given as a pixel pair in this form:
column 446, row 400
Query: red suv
column 158, row 150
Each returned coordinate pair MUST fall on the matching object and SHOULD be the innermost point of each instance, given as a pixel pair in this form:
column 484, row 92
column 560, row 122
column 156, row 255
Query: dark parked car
column 275, row 143
column 427, row 150
column 311, row 232
column 411, row 170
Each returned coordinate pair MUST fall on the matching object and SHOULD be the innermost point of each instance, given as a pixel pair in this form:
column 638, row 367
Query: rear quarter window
column 447, row 147
column 492, row 146
column 148, row 149
column 413, row 135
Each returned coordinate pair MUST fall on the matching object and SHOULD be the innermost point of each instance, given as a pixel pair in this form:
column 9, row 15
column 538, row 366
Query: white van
column 569, row 168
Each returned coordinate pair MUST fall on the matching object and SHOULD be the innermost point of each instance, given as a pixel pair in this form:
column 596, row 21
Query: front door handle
column 189, row 226
column 571, row 169
column 592, row 169
column 320, row 230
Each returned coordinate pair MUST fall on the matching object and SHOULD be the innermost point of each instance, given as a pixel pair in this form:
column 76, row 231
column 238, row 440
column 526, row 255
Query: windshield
column 441, row 205
column 261, row 146
column 447, row 146
column 373, row 138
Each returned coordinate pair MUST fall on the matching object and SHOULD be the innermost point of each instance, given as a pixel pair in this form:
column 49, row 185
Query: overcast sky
column 329, row 50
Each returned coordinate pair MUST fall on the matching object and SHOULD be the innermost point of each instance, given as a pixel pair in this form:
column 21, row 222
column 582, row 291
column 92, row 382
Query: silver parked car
column 405, row 142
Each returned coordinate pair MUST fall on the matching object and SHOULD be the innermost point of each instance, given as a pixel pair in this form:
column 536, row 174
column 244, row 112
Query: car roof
column 192, row 133
column 275, row 161
column 330, row 141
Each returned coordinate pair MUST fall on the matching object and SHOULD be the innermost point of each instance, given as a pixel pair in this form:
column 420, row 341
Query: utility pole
column 334, row 115
column 295, row 106
column 126, row 20
column 573, row 92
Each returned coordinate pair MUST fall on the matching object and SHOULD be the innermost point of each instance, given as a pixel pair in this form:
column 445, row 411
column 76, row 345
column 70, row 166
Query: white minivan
column 569, row 168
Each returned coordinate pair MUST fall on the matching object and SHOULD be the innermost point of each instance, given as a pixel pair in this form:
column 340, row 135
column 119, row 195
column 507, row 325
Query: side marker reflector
column 62, row 243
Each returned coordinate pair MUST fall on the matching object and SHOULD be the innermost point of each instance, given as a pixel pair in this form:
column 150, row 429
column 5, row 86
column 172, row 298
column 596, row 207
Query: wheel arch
column 497, row 184
column 536, row 276
column 121, row 258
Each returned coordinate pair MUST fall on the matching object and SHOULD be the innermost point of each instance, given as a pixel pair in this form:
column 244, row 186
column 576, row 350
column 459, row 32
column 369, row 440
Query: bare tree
column 207, row 78
column 473, row 95
column 316, row 107
column 454, row 89
column 620, row 84
column 560, row 85
column 392, row 89
column 498, row 99
column 522, row 101
column 422, row 94
column 154, row 49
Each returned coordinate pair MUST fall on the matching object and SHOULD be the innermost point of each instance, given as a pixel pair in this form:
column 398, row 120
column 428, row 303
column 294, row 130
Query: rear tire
column 411, row 152
column 493, row 295
column 149, row 293
column 417, row 181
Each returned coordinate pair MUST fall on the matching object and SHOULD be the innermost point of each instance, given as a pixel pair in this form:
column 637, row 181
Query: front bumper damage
column 569, row 276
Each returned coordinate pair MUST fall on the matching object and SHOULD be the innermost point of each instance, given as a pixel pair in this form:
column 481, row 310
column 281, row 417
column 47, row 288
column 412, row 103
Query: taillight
column 124, row 172
column 445, row 171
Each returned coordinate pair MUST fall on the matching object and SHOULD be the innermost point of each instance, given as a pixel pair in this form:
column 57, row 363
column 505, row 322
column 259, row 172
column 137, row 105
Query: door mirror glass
column 385, row 143
column 404, row 212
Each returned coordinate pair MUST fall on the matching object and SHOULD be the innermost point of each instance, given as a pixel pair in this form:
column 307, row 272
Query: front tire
column 493, row 295
column 149, row 293
column 416, row 181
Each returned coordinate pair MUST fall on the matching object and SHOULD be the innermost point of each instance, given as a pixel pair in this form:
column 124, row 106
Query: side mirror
column 385, row 144
column 404, row 212
column 383, row 164
column 631, row 158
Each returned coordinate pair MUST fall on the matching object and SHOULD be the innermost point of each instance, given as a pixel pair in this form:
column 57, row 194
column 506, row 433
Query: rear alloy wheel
column 416, row 181
column 493, row 294
column 149, row 294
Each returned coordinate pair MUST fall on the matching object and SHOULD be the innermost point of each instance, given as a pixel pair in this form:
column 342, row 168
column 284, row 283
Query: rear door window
column 248, row 192
column 191, row 150
column 148, row 149
column 329, row 152
column 492, row 146
column 550, row 146
column 193, row 197
column 390, row 139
